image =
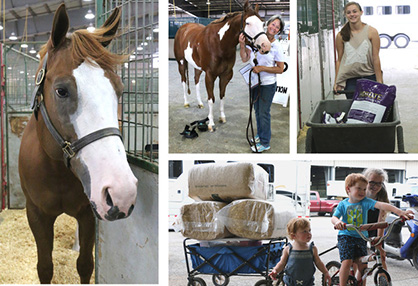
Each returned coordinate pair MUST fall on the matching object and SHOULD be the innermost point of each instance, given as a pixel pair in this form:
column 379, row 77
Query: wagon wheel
column 196, row 281
column 220, row 280
column 399, row 135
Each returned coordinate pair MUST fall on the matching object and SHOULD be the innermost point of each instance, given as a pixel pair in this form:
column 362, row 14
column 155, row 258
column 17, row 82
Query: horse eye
column 61, row 92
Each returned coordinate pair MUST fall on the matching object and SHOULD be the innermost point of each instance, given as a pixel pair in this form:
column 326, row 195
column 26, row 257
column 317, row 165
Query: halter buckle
column 68, row 151
column 40, row 76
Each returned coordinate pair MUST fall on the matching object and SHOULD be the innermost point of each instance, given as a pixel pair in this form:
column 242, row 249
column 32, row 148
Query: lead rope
column 252, row 101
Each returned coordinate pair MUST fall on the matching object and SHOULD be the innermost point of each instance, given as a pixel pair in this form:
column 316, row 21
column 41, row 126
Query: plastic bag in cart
column 372, row 102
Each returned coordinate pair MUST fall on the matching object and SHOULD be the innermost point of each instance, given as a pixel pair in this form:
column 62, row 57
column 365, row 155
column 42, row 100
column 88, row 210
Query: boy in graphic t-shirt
column 353, row 210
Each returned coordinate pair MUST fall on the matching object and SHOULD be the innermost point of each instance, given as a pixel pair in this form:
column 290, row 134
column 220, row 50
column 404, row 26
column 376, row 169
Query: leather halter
column 69, row 149
column 252, row 40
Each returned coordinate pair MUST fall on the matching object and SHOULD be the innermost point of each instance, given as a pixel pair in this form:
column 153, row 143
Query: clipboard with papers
column 245, row 72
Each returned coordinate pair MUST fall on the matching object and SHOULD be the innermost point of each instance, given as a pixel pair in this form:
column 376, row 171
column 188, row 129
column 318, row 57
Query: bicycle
column 381, row 276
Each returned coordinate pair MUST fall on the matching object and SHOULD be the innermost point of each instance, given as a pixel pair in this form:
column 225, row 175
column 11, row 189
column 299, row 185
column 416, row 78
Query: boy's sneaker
column 257, row 140
column 260, row 148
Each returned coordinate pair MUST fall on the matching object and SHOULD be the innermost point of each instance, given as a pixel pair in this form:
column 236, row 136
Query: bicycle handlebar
column 373, row 226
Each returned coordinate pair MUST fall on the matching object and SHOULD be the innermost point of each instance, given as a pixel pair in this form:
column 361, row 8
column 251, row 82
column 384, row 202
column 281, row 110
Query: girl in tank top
column 300, row 258
column 358, row 46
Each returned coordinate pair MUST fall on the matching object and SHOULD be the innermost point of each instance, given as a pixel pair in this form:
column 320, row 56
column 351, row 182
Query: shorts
column 351, row 247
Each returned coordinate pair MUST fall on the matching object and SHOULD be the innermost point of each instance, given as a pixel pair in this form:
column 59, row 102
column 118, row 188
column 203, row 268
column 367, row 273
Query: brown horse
column 212, row 49
column 72, row 159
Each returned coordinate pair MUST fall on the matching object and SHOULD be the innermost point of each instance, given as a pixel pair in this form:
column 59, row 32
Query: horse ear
column 256, row 8
column 60, row 26
column 247, row 6
column 111, row 25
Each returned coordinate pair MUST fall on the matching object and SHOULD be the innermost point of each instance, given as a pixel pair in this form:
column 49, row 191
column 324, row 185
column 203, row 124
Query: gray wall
column 127, row 250
column 315, row 83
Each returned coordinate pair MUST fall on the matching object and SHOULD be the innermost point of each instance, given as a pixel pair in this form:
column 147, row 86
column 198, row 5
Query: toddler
column 300, row 258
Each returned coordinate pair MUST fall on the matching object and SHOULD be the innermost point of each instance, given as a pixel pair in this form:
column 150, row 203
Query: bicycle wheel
column 333, row 269
column 382, row 278
column 351, row 281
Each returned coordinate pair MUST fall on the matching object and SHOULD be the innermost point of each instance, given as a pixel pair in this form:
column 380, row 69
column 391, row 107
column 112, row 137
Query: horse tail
column 186, row 74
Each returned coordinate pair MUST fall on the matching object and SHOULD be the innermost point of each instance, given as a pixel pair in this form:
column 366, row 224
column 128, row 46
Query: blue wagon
column 225, row 260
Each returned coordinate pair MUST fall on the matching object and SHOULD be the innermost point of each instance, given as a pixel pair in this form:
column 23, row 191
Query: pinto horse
column 212, row 49
column 72, row 159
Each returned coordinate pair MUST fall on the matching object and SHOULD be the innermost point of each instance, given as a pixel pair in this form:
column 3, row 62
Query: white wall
column 127, row 250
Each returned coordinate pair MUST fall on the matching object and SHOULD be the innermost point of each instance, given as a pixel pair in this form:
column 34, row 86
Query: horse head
column 80, row 92
column 253, row 29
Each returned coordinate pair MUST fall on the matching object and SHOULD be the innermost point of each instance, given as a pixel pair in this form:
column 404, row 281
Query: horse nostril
column 130, row 210
column 108, row 198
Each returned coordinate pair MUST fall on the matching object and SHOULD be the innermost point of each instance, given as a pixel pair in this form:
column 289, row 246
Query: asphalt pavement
column 324, row 237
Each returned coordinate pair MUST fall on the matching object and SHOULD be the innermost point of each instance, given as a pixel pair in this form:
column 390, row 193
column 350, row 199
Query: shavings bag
column 199, row 221
column 227, row 182
column 256, row 219
column 372, row 102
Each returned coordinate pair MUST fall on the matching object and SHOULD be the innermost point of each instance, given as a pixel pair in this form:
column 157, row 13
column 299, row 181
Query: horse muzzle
column 114, row 203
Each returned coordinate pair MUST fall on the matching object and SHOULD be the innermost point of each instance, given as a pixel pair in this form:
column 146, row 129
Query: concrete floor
column 229, row 137
column 400, row 68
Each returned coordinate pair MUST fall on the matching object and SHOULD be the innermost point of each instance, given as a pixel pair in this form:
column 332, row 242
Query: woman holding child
column 354, row 210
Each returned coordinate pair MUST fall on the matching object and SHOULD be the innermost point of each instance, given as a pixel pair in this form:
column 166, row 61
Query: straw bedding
column 255, row 219
column 199, row 221
column 227, row 182
column 18, row 257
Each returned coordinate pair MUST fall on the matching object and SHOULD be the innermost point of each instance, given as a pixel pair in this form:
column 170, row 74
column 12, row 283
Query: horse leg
column 42, row 226
column 209, row 82
column 183, row 70
column 224, row 79
column 197, row 74
column 85, row 263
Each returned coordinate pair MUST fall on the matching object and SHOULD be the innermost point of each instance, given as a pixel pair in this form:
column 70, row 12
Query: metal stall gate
column 19, row 76
column 127, row 250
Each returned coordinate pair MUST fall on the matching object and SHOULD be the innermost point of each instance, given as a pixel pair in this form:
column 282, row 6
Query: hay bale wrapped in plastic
column 199, row 221
column 256, row 219
column 227, row 182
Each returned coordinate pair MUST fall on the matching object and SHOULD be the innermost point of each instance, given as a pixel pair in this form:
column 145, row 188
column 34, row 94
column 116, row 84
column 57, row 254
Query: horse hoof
column 186, row 105
column 222, row 119
column 200, row 106
column 211, row 128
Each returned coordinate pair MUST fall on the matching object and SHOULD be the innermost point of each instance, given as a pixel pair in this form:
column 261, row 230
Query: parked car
column 322, row 206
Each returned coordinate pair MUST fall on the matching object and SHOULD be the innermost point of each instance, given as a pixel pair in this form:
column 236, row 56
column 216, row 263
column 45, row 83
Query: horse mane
column 226, row 17
column 88, row 46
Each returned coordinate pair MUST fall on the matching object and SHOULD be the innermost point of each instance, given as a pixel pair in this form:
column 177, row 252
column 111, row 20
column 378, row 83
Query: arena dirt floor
column 229, row 137
column 18, row 256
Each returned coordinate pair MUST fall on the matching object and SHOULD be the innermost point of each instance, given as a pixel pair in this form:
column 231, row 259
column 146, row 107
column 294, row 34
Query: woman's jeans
column 261, row 107
column 351, row 83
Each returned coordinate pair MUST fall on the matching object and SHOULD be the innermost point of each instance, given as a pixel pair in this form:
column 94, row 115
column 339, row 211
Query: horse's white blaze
column 253, row 27
column 223, row 30
column 188, row 55
column 104, row 159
